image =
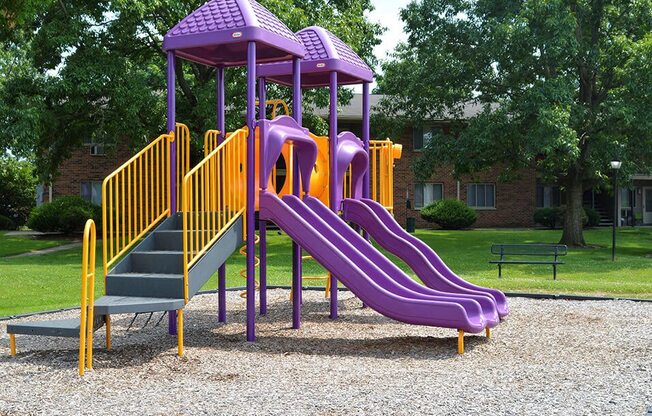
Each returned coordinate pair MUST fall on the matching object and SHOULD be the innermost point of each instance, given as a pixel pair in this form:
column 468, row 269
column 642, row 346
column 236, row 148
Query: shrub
column 592, row 217
column 18, row 189
column 67, row 214
column 548, row 217
column 6, row 223
column 449, row 214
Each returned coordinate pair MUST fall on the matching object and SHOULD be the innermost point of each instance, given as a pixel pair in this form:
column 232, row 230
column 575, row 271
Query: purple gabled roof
column 217, row 33
column 325, row 53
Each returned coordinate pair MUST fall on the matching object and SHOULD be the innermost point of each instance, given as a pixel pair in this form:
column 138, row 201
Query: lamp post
column 615, row 166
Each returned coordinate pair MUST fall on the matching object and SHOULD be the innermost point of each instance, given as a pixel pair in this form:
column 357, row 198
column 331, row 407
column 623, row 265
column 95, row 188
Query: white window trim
column 427, row 183
column 482, row 208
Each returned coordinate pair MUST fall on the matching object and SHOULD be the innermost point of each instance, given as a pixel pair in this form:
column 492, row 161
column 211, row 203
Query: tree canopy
column 564, row 87
column 79, row 70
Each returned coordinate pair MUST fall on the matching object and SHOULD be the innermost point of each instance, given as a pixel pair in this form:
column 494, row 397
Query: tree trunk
column 573, row 235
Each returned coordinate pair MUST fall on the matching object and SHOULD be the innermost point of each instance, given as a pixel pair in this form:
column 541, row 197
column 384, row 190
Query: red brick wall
column 514, row 204
column 83, row 167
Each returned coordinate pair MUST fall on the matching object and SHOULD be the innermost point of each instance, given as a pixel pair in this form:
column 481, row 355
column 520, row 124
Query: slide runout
column 350, row 237
column 335, row 230
column 390, row 222
column 413, row 311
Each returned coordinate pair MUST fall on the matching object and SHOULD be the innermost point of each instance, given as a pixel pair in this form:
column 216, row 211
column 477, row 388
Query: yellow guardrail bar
column 382, row 154
column 182, row 143
column 214, row 196
column 86, row 319
column 135, row 197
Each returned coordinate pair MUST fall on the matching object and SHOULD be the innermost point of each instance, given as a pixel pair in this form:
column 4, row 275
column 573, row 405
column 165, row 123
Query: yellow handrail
column 182, row 143
column 210, row 141
column 86, row 319
column 214, row 196
column 382, row 154
column 135, row 197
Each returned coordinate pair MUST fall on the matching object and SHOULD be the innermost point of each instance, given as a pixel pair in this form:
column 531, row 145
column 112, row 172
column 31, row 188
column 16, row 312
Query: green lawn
column 52, row 281
column 12, row 245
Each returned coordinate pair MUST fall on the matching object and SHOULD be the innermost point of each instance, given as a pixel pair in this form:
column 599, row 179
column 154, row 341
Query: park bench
column 521, row 252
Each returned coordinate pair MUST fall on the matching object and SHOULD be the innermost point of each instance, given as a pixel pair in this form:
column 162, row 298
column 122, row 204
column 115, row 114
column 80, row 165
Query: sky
column 387, row 14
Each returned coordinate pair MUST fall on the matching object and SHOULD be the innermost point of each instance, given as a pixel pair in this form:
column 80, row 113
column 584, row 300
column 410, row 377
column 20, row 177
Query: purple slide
column 428, row 266
column 361, row 269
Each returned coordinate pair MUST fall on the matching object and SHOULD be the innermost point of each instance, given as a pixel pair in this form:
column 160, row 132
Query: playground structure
column 168, row 226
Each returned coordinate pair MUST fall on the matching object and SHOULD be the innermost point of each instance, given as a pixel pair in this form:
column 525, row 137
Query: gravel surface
column 549, row 357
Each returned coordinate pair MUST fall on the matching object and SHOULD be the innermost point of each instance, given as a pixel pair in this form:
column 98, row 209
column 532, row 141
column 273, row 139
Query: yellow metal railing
column 214, row 196
column 182, row 143
column 86, row 321
column 135, row 197
column 382, row 154
column 210, row 141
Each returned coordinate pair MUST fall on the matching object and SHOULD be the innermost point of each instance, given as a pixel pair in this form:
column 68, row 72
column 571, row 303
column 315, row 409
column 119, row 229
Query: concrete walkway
column 47, row 250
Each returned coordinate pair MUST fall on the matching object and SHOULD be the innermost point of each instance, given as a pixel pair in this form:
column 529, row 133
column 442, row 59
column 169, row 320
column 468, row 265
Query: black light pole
column 615, row 165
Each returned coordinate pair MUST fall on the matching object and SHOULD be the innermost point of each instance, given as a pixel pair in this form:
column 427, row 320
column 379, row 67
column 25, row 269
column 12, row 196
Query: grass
column 10, row 245
column 52, row 281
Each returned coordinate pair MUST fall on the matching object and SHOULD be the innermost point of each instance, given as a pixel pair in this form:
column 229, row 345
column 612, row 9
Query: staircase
column 150, row 277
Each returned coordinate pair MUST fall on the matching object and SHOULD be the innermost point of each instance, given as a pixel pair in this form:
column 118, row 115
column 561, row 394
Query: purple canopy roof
column 325, row 53
column 217, row 33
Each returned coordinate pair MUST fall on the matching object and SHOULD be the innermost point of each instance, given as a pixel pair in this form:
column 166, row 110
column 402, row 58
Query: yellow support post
column 487, row 331
column 107, row 323
column 180, row 332
column 12, row 344
column 460, row 342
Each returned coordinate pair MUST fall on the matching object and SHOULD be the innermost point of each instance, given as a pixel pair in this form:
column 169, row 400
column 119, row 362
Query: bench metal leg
column 500, row 270
column 554, row 272
column 12, row 344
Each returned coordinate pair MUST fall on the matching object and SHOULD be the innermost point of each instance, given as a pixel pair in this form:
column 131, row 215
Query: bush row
column 67, row 214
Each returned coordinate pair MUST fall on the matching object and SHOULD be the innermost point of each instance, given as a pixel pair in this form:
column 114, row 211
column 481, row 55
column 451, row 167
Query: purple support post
column 296, row 188
column 251, row 189
column 332, row 180
column 221, row 271
column 365, row 142
column 262, row 224
column 171, row 127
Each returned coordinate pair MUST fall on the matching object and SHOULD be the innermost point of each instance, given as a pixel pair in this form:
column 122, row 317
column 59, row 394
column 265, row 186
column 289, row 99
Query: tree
column 94, row 70
column 564, row 87
column 17, row 189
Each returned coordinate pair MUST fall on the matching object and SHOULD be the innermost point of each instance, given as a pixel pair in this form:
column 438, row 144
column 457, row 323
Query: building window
column 481, row 195
column 548, row 196
column 427, row 193
column 423, row 135
column 92, row 191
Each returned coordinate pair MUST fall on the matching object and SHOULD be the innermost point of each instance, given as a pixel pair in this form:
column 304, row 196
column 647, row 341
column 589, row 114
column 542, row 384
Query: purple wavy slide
column 428, row 266
column 361, row 267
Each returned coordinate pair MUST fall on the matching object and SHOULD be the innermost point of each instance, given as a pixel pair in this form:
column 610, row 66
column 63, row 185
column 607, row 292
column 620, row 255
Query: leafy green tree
column 94, row 70
column 564, row 86
column 17, row 189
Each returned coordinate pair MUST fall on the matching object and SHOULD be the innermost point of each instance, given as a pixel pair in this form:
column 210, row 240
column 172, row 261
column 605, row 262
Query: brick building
column 498, row 204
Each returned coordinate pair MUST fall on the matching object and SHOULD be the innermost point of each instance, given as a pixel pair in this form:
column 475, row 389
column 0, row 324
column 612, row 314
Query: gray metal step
column 158, row 285
column 170, row 240
column 68, row 328
column 107, row 305
column 168, row 262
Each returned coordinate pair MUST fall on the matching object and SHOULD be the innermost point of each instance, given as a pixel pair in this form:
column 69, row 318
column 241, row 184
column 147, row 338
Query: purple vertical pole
column 365, row 142
column 296, row 188
column 332, row 180
column 262, row 224
column 171, row 127
column 251, row 189
column 221, row 271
